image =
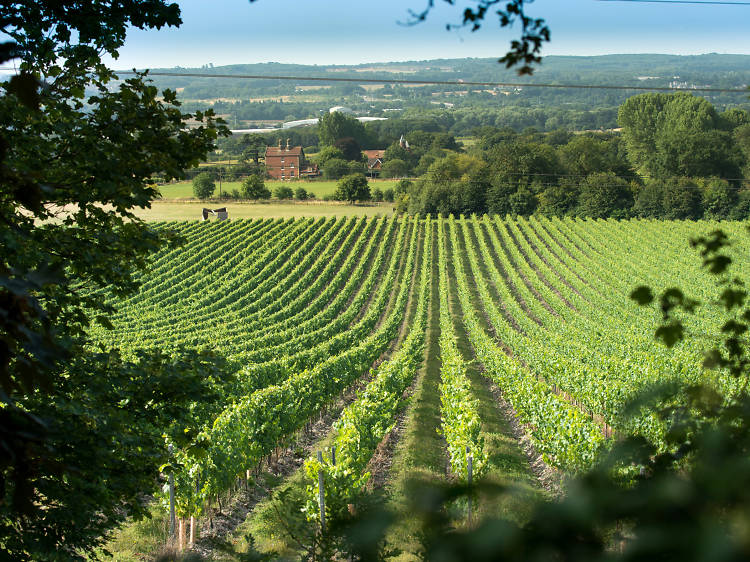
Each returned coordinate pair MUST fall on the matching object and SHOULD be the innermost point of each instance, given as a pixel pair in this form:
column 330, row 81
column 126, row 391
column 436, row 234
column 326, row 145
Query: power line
column 683, row 2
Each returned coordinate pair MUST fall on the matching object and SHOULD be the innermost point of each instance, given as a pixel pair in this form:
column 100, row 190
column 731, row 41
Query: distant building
column 288, row 163
column 374, row 161
column 341, row 109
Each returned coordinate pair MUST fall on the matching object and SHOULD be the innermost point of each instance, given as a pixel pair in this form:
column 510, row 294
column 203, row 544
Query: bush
column 283, row 192
column 389, row 195
column 377, row 194
column 253, row 187
column 330, row 197
column 301, row 194
column 353, row 188
column 203, row 185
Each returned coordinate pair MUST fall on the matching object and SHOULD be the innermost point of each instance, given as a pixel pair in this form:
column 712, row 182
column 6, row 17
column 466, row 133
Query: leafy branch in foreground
column 77, row 156
column 534, row 31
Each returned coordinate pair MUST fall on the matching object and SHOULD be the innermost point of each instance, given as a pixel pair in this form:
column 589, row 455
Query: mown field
column 405, row 342
column 192, row 210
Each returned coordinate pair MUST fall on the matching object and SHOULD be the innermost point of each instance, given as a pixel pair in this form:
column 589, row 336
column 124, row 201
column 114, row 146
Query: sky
column 224, row 32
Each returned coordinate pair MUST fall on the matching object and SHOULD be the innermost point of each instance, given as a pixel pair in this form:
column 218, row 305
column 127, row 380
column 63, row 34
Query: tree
column 336, row 125
column 559, row 200
column 649, row 201
column 350, row 149
column 718, row 199
column 329, row 153
column 335, row 168
column 604, row 195
column 669, row 135
column 301, row 194
column 77, row 457
column 353, row 188
column 253, row 187
column 681, row 199
column 395, row 168
column 203, row 185
column 252, row 145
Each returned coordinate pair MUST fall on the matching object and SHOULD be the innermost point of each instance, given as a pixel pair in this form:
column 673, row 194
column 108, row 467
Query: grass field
column 184, row 189
column 191, row 210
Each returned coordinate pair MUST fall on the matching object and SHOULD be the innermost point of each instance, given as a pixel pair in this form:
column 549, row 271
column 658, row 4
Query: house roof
column 373, row 154
column 276, row 151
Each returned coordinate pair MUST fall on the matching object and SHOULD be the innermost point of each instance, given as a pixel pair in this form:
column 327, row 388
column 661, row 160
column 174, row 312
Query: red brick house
column 288, row 163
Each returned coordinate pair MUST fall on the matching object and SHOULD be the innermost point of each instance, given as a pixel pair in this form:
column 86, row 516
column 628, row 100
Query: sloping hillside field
column 305, row 309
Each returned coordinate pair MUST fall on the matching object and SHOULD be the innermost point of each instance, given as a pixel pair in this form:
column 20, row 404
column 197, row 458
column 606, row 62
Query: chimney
column 288, row 142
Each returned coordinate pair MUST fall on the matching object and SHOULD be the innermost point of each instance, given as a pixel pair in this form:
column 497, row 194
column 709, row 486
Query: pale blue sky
column 356, row 31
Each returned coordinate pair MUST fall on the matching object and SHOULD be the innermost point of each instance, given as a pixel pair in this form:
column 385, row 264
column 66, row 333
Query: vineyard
column 308, row 311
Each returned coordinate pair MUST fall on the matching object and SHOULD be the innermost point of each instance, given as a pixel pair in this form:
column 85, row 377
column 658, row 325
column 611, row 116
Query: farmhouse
column 288, row 163
column 374, row 161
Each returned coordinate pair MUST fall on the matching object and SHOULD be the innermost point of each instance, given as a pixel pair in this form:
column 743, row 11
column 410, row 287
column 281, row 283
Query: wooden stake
column 193, row 525
column 181, row 536
column 321, row 495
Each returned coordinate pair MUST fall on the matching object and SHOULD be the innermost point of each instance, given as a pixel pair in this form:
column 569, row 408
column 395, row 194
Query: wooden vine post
column 469, row 467
column 321, row 495
column 172, row 525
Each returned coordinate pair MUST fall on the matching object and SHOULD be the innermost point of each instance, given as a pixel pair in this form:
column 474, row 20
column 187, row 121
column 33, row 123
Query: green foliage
column 337, row 125
column 203, row 185
column 283, row 192
column 350, row 149
column 353, row 188
column 460, row 422
column 677, row 135
column 388, row 195
column 364, row 423
column 377, row 194
column 253, row 187
column 301, row 194
column 335, row 168
column 327, row 153
column 604, row 195
column 395, row 168
column 82, row 428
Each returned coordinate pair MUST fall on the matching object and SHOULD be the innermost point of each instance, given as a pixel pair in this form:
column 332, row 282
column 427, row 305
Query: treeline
column 677, row 158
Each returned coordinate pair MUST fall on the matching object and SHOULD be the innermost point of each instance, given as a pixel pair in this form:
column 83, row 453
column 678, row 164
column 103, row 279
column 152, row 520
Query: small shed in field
column 220, row 214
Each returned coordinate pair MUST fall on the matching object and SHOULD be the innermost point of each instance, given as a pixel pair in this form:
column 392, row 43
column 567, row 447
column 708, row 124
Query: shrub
column 253, row 187
column 283, row 192
column 389, row 195
column 301, row 194
column 203, row 185
column 377, row 194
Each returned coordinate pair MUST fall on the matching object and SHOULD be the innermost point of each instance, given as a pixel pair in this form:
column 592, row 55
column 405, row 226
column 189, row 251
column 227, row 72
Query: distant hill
column 713, row 70
column 252, row 103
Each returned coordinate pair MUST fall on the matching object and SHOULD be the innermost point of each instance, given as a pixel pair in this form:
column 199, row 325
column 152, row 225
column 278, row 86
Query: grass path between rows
column 420, row 453
column 508, row 464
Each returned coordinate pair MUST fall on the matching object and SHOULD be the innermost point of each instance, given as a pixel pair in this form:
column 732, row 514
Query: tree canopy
column 77, row 156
